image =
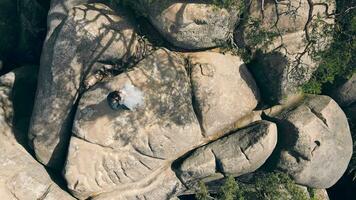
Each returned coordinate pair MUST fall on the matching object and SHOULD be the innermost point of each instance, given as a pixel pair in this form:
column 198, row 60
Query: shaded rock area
column 100, row 36
column 223, row 89
column 345, row 95
column 22, row 30
column 285, row 39
column 316, row 144
column 21, row 176
column 120, row 114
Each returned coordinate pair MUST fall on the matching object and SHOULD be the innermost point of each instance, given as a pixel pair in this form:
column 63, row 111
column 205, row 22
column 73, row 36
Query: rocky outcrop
column 22, row 29
column 119, row 148
column 6, row 108
column 346, row 94
column 239, row 153
column 315, row 141
column 58, row 11
column 91, row 34
column 21, row 176
column 286, row 36
column 223, row 90
column 191, row 25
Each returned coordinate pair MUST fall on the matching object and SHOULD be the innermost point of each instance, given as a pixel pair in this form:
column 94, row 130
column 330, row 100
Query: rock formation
column 118, row 116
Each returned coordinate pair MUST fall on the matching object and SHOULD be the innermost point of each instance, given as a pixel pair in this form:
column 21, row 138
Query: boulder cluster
column 117, row 117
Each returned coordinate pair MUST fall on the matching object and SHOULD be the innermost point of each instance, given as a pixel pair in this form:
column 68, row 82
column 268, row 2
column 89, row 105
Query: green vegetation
column 230, row 190
column 271, row 186
column 203, row 193
column 337, row 63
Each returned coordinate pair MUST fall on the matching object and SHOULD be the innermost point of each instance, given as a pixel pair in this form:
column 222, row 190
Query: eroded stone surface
column 315, row 140
column 239, row 153
column 21, row 176
column 116, row 149
column 224, row 90
column 90, row 33
column 286, row 35
column 191, row 25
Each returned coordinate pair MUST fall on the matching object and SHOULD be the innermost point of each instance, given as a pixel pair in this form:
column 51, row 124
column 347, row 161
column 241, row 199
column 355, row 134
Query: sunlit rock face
column 91, row 34
column 224, row 90
column 191, row 25
column 315, row 140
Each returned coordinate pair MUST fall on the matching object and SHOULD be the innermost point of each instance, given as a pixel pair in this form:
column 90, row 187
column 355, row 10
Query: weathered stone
column 22, row 30
column 58, row 11
column 21, row 176
column 223, row 89
column 286, row 36
column 315, row 141
column 90, row 34
column 239, row 153
column 346, row 93
column 191, row 25
column 118, row 149
column 6, row 108
column 9, row 25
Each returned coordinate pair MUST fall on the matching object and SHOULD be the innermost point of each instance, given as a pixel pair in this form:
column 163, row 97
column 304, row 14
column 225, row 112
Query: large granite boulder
column 119, row 148
column 239, row 153
column 21, row 176
column 224, row 90
column 191, row 25
column 315, row 142
column 90, row 35
column 284, row 38
column 346, row 94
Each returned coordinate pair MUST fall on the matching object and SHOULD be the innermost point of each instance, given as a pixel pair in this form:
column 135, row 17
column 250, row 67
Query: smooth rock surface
column 91, row 33
column 21, row 176
column 239, row 153
column 191, row 25
column 118, row 149
column 346, row 93
column 315, row 140
column 224, row 90
column 284, row 37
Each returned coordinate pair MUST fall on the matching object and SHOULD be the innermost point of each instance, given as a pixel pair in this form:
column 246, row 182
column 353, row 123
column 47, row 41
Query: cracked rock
column 21, row 176
column 117, row 149
column 224, row 90
column 191, row 25
column 91, row 34
column 315, row 142
column 239, row 153
column 285, row 37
